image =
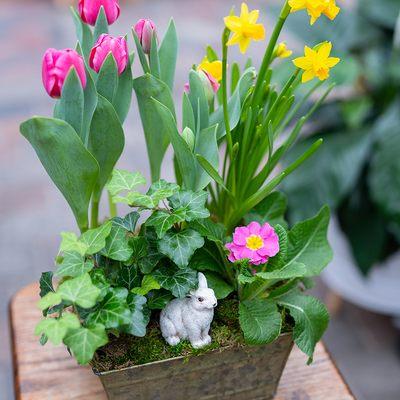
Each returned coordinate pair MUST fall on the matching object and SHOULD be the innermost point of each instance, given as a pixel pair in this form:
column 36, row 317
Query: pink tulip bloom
column 89, row 10
column 56, row 66
column 145, row 28
column 254, row 242
column 105, row 45
column 210, row 84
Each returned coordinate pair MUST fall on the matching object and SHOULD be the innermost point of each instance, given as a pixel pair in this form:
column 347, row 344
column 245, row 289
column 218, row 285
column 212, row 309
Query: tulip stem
column 94, row 214
column 112, row 206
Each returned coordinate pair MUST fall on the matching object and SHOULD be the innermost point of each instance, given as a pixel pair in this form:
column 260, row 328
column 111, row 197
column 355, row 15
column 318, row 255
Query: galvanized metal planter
column 250, row 372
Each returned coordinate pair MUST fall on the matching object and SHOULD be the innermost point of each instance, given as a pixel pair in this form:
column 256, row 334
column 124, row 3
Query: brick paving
column 32, row 212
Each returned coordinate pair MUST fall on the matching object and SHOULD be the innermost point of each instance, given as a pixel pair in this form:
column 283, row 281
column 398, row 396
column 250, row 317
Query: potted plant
column 220, row 224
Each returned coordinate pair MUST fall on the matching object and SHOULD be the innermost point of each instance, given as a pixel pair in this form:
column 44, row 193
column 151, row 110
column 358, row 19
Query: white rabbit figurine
column 190, row 317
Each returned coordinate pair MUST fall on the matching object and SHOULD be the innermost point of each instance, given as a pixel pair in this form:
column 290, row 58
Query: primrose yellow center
column 254, row 242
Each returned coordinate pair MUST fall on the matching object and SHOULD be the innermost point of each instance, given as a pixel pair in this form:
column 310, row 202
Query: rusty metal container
column 248, row 373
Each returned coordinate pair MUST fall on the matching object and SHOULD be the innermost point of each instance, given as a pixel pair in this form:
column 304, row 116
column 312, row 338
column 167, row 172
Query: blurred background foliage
column 357, row 170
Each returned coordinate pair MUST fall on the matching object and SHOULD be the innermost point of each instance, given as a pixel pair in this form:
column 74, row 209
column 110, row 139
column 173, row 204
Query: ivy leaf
column 113, row 311
column 178, row 281
column 191, row 205
column 100, row 281
column 73, row 265
column 163, row 220
column 49, row 300
column 211, row 230
column 148, row 283
column 55, row 329
column 311, row 320
column 46, row 283
column 159, row 299
column 117, row 244
column 260, row 321
column 140, row 246
column 292, row 270
column 180, row 246
column 122, row 180
column 83, row 342
column 129, row 276
column 80, row 291
column 128, row 222
column 135, row 199
column 161, row 190
column 139, row 320
column 221, row 288
column 153, row 256
column 95, row 239
column 308, row 243
column 70, row 242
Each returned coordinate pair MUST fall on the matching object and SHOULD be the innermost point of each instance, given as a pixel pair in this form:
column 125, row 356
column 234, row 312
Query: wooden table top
column 49, row 373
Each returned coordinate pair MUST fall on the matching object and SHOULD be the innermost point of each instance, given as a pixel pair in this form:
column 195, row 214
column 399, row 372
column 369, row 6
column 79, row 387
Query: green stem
column 94, row 219
column 225, row 37
column 112, row 206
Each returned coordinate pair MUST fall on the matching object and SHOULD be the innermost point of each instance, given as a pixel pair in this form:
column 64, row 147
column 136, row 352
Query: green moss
column 127, row 350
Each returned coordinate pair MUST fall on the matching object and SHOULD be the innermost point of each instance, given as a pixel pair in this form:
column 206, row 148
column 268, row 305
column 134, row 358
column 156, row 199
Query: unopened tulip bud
column 145, row 29
column 56, row 66
column 188, row 137
column 105, row 45
column 89, row 10
column 210, row 84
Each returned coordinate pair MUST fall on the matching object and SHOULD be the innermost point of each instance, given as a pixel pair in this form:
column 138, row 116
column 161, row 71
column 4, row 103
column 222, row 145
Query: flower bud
column 56, row 66
column 210, row 84
column 145, row 29
column 188, row 137
column 105, row 45
column 89, row 10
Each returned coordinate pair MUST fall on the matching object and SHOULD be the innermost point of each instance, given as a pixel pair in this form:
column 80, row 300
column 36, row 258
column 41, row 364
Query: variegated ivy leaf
column 73, row 265
column 161, row 190
column 135, row 199
column 140, row 318
column 191, row 205
column 80, row 291
column 117, row 244
column 164, row 220
column 49, row 300
column 148, row 283
column 70, row 242
column 128, row 222
column 129, row 276
column 122, row 180
column 95, row 239
column 55, row 329
column 180, row 246
column 83, row 342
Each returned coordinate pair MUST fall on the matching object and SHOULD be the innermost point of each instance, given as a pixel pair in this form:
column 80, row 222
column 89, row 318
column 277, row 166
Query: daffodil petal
column 235, row 38
column 244, row 11
column 253, row 16
column 302, row 62
column 325, row 50
column 307, row 76
column 233, row 22
column 244, row 44
column 332, row 61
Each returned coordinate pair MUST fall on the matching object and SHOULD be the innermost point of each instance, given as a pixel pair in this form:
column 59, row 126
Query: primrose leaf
column 83, row 342
column 178, row 281
column 162, row 221
column 190, row 204
column 55, row 329
column 80, row 291
column 260, row 321
column 279, row 260
column 292, row 270
column 73, row 265
column 180, row 246
column 139, row 320
column 95, row 239
column 117, row 244
column 49, row 300
column 221, row 288
column 128, row 222
column 148, row 283
column 129, row 276
column 70, row 242
column 311, row 320
column 46, row 283
column 135, row 199
column 122, row 180
column 161, row 190
column 113, row 311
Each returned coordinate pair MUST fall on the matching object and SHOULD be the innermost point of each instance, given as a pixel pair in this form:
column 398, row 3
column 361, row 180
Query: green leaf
column 153, row 256
column 107, row 79
column 139, row 320
column 187, row 114
column 280, row 259
column 106, row 141
column 101, row 25
column 90, row 104
column 162, row 221
column 95, row 239
column 100, row 281
column 129, row 276
column 135, row 199
column 293, row 270
column 198, row 99
column 113, row 311
column 180, row 246
column 83, row 33
column 83, row 342
column 49, row 300
column 148, row 88
column 178, row 281
column 128, row 222
column 73, row 265
column 207, row 258
column 153, row 57
column 71, row 167
column 221, row 288
column 56, row 329
column 117, row 244
column 46, row 283
column 71, row 242
column 140, row 247
column 211, row 171
column 141, row 54
column 122, row 180
column 168, row 53
column 161, row 190
column 159, row 299
column 189, row 204
column 311, row 320
column 148, row 283
column 80, row 291
column 123, row 96
column 260, row 321
column 308, row 244
column 211, row 230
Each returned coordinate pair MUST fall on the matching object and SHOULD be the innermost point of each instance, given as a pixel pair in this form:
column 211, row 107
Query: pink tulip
column 89, row 10
column 145, row 28
column 210, row 84
column 56, row 66
column 105, row 45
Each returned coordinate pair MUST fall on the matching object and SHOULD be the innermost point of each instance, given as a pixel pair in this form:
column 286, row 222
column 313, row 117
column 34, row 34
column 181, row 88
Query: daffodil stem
column 269, row 53
column 112, row 206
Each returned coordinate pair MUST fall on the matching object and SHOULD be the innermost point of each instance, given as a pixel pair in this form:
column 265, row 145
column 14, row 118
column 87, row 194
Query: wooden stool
column 50, row 373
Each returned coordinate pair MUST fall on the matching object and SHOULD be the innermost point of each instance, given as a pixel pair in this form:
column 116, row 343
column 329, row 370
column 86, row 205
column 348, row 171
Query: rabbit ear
column 202, row 281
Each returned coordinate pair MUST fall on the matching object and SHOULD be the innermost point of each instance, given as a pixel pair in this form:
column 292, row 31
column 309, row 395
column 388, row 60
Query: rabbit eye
column 200, row 299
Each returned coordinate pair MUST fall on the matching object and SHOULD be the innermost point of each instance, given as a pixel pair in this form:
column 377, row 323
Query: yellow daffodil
column 244, row 28
column 214, row 68
column 282, row 51
column 315, row 8
column 316, row 63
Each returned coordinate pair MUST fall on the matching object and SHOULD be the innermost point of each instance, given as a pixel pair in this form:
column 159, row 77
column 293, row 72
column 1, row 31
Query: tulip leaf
column 107, row 79
column 153, row 57
column 168, row 54
column 187, row 114
column 71, row 167
column 198, row 99
column 101, row 24
column 106, row 141
column 123, row 96
column 141, row 54
column 90, row 104
column 148, row 88
column 83, row 32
